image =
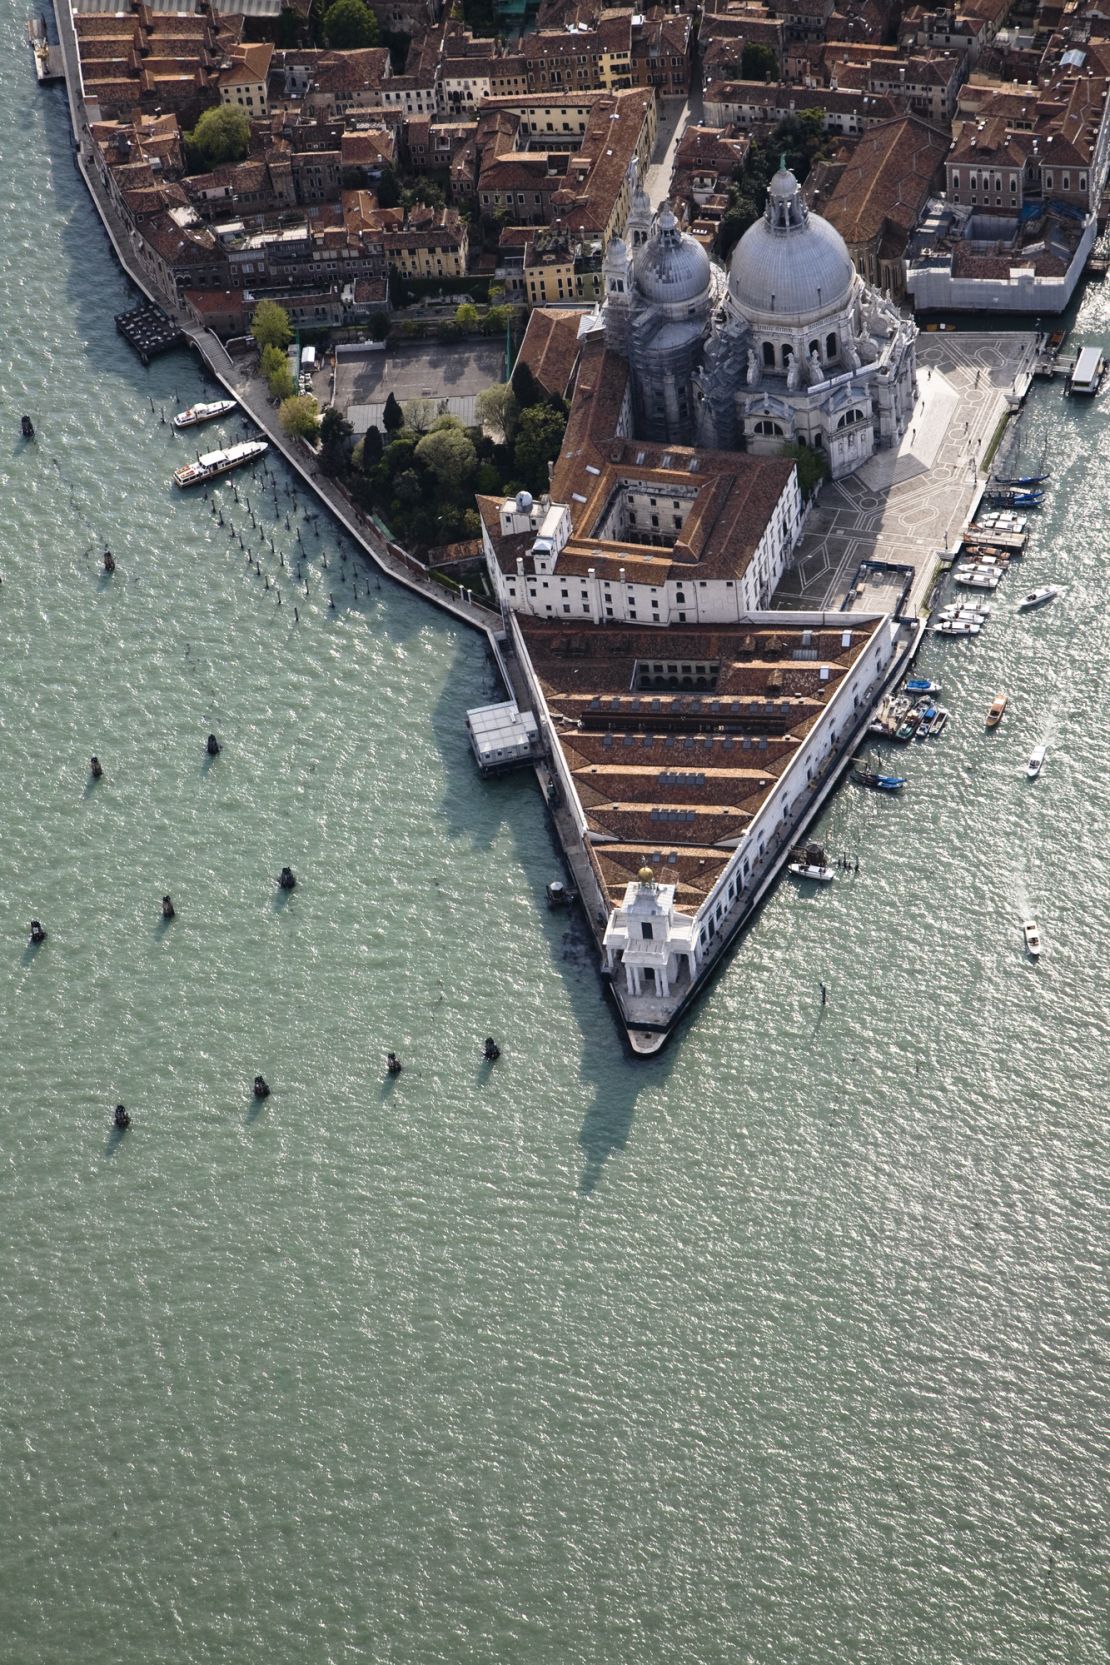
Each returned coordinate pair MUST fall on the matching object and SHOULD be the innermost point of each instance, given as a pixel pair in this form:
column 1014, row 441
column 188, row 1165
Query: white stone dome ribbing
column 791, row 263
column 671, row 266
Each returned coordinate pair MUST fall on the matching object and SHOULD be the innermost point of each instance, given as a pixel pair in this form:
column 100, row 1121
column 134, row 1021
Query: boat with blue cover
column 877, row 782
column 921, row 685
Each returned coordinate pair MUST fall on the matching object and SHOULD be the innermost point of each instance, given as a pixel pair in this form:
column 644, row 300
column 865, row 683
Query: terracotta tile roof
column 888, row 179
column 550, row 347
column 666, row 775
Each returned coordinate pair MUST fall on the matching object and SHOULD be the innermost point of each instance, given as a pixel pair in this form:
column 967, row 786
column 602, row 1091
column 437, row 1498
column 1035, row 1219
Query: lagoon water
column 789, row 1347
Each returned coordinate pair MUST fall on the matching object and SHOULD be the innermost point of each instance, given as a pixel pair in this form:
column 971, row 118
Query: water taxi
column 196, row 414
column 215, row 463
column 1036, row 761
column 1032, row 938
column 997, row 710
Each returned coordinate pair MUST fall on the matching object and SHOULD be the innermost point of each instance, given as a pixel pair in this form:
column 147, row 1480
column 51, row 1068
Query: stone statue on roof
column 755, row 369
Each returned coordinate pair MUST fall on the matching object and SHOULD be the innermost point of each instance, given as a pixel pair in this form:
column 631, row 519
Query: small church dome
column 791, row 263
column 671, row 266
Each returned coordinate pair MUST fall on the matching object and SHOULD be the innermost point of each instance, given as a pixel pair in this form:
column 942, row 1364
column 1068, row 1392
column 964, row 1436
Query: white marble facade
column 794, row 348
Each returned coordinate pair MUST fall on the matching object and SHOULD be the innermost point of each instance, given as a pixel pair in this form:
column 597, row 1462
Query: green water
column 789, row 1347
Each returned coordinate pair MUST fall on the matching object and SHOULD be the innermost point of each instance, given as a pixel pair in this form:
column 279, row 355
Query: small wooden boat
column 1024, row 479
column 997, row 710
column 810, row 862
column 1036, row 761
column 1032, row 938
column 1037, row 598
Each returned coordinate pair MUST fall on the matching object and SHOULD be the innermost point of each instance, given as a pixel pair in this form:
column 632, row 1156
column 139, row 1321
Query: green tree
column 350, row 24
column 270, row 325
column 758, row 62
column 393, row 417
column 221, row 135
column 497, row 320
column 525, row 387
column 282, row 384
column 450, row 456
column 300, row 416
column 335, row 442
column 388, row 190
column 466, row 315
column 812, row 466
column 271, row 360
column 538, row 438
column 419, row 415
column 371, row 449
column 497, row 410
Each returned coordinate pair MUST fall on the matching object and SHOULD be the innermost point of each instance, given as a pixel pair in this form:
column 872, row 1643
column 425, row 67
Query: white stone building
column 796, row 348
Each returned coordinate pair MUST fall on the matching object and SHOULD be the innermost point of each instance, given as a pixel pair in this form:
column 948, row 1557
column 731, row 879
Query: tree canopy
column 393, row 417
column 800, row 137
column 758, row 62
column 221, row 135
column 350, row 24
column 336, row 435
column 300, row 416
column 812, row 466
column 497, row 411
column 538, row 438
column 450, row 456
column 270, row 325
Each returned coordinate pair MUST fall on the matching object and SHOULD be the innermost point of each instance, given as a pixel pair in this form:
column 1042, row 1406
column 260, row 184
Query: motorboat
column 196, row 414
column 1036, row 761
column 997, row 710
column 979, row 610
column 1037, row 598
column 810, row 862
column 907, row 728
column 977, row 578
column 933, row 722
column 215, row 463
column 877, row 782
column 958, row 627
column 921, row 685
column 1032, row 938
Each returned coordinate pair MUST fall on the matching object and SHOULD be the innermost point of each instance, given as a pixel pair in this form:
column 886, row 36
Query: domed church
column 792, row 347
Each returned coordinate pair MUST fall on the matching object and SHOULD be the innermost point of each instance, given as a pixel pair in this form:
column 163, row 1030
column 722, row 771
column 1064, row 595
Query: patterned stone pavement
column 911, row 505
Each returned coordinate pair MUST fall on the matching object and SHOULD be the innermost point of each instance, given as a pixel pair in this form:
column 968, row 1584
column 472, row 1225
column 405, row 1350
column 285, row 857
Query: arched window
column 769, row 355
column 764, row 426
column 850, row 418
column 818, row 442
column 787, row 355
column 830, row 345
column 814, row 347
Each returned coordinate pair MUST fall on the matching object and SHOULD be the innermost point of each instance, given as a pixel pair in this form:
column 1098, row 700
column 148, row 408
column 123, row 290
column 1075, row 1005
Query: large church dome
column 791, row 263
column 670, row 266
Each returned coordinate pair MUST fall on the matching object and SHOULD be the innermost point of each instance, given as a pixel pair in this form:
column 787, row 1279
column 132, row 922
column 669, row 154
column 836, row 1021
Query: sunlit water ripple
column 789, row 1347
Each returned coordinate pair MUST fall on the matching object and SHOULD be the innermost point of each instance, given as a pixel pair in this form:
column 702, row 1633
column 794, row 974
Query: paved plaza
column 911, row 505
column 455, row 372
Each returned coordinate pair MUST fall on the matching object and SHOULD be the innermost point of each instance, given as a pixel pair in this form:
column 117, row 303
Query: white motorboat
column 1032, row 938
column 966, row 610
column 811, row 863
column 215, row 463
column 958, row 627
column 980, row 579
column 1037, row 598
column 196, row 414
column 1036, row 761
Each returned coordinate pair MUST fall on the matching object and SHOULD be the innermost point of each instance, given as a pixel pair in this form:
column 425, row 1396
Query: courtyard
column 446, row 373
